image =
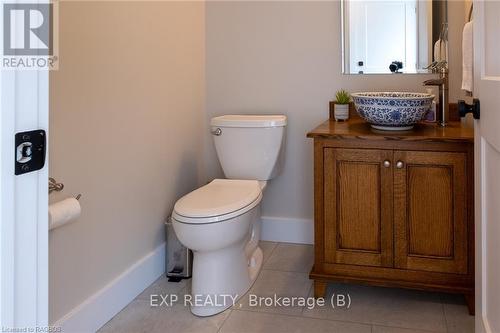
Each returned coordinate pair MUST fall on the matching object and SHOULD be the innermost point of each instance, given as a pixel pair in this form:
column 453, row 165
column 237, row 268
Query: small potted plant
column 341, row 108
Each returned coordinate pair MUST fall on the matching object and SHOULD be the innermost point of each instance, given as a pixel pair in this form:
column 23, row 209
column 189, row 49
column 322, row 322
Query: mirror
column 393, row 36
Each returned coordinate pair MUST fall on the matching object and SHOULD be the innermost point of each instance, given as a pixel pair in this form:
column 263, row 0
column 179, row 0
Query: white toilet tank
column 249, row 147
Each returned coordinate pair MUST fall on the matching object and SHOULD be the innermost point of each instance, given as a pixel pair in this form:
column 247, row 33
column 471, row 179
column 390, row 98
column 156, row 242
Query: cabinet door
column 358, row 207
column 430, row 211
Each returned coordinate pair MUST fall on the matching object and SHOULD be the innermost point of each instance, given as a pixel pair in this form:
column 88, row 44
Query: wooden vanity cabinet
column 358, row 207
column 394, row 209
column 430, row 211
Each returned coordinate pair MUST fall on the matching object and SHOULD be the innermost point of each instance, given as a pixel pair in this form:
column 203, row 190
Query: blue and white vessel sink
column 392, row 111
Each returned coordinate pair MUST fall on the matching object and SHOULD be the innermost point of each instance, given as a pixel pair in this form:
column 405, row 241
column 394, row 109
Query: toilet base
column 226, row 276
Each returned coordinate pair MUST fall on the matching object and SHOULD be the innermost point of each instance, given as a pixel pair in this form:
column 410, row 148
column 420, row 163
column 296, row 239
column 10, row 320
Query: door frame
column 24, row 96
column 481, row 325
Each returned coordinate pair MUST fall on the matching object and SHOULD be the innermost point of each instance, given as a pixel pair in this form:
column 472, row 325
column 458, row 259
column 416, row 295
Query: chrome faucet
column 443, row 84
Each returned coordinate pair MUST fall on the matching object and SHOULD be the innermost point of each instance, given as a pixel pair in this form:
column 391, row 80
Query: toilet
column 220, row 222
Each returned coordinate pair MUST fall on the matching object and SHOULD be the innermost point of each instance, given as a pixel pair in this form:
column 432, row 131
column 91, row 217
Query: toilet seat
column 220, row 200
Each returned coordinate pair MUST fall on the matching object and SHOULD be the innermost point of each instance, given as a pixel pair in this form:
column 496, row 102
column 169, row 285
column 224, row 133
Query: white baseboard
column 484, row 325
column 287, row 230
column 99, row 308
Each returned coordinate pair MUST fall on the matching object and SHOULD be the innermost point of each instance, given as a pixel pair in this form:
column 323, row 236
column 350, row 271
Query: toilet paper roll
column 63, row 212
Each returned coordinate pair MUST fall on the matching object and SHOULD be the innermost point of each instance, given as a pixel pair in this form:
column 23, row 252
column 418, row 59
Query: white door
column 487, row 150
column 23, row 201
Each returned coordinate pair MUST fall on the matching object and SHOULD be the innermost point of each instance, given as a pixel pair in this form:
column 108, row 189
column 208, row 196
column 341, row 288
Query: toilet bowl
column 220, row 222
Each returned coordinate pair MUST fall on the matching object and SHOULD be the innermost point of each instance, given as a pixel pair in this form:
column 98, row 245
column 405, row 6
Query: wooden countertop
column 358, row 128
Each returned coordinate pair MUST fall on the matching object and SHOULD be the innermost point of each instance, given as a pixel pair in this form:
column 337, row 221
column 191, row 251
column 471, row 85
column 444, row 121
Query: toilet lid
column 220, row 197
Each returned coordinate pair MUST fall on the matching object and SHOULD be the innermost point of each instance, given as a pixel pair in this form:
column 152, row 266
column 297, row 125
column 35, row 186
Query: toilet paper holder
column 58, row 187
column 55, row 186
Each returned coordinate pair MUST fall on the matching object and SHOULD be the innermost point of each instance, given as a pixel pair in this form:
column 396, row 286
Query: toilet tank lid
column 249, row 121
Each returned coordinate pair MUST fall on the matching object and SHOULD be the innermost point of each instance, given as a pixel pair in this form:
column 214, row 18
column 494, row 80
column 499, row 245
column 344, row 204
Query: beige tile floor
column 285, row 272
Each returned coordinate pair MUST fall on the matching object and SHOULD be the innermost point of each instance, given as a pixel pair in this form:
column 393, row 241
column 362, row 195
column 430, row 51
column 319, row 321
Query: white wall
column 126, row 117
column 285, row 57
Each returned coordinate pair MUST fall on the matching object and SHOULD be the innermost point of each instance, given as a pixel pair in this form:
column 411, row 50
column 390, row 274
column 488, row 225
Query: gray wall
column 126, row 117
column 285, row 57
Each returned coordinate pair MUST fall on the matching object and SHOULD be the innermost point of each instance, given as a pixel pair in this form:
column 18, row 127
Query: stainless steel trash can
column 178, row 258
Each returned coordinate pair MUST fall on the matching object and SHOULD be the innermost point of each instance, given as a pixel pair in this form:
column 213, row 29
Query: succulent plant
column 342, row 97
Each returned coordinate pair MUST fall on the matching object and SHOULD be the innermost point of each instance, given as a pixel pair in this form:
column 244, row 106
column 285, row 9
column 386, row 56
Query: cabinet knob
column 400, row 165
column 387, row 163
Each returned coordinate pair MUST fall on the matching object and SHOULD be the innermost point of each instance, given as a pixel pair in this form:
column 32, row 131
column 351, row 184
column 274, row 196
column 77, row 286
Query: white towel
column 467, row 58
